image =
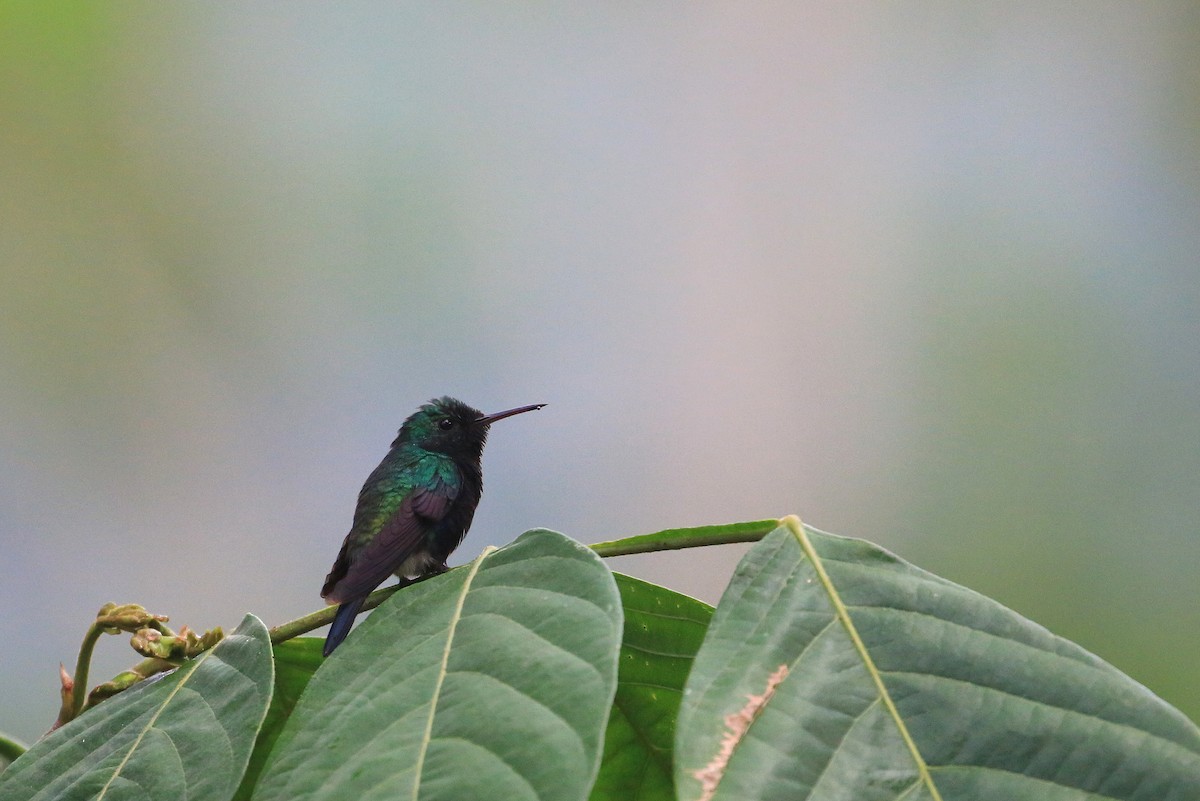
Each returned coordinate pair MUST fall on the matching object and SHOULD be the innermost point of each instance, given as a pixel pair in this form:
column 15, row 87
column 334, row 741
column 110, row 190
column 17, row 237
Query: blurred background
column 925, row 276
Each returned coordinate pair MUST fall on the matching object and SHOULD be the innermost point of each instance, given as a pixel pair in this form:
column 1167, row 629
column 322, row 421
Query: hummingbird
column 415, row 507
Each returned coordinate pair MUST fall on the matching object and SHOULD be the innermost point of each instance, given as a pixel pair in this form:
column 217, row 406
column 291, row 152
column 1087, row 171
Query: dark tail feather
column 342, row 622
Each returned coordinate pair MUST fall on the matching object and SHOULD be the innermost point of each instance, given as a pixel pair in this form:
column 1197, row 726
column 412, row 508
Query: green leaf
column 187, row 734
column 834, row 670
column 663, row 630
column 492, row 681
column 295, row 662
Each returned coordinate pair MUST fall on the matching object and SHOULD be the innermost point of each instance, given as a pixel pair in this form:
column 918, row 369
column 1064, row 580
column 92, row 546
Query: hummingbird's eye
column 445, row 424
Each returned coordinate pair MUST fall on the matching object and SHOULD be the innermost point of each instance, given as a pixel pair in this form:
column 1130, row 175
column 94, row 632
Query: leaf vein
column 797, row 529
column 1092, row 796
column 549, row 644
column 455, row 617
column 533, row 701
column 153, row 719
column 1037, row 702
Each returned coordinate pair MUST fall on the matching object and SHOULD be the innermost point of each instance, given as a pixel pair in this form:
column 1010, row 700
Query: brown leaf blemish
column 736, row 726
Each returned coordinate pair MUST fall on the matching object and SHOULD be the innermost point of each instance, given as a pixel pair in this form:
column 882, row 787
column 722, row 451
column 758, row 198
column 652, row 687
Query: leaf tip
column 793, row 523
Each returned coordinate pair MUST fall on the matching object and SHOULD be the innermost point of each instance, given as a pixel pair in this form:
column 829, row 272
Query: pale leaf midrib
column 797, row 529
column 442, row 669
column 154, row 719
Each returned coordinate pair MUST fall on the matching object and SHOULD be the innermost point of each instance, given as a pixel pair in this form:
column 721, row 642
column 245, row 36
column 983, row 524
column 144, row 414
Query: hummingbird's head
column 446, row 425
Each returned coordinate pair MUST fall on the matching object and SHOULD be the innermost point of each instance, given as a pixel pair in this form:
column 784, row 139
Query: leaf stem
column 796, row 528
column 82, row 666
column 10, row 749
column 676, row 538
column 323, row 617
column 668, row 540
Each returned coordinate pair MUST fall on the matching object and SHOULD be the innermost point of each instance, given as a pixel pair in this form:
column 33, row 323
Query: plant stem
column 10, row 749
column 82, row 665
column 668, row 540
column 323, row 617
column 676, row 538
column 671, row 539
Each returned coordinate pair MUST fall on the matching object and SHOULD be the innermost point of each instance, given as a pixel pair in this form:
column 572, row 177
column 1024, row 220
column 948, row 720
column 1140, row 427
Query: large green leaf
column 492, row 681
column 295, row 662
column 663, row 630
column 186, row 735
column 834, row 670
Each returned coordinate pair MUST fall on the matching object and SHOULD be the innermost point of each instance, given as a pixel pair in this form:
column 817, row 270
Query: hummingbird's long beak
column 488, row 419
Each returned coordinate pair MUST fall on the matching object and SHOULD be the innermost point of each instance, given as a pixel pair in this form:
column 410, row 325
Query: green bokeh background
column 927, row 276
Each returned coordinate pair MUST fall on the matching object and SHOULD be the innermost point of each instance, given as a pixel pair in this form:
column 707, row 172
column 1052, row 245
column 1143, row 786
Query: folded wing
column 358, row 571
